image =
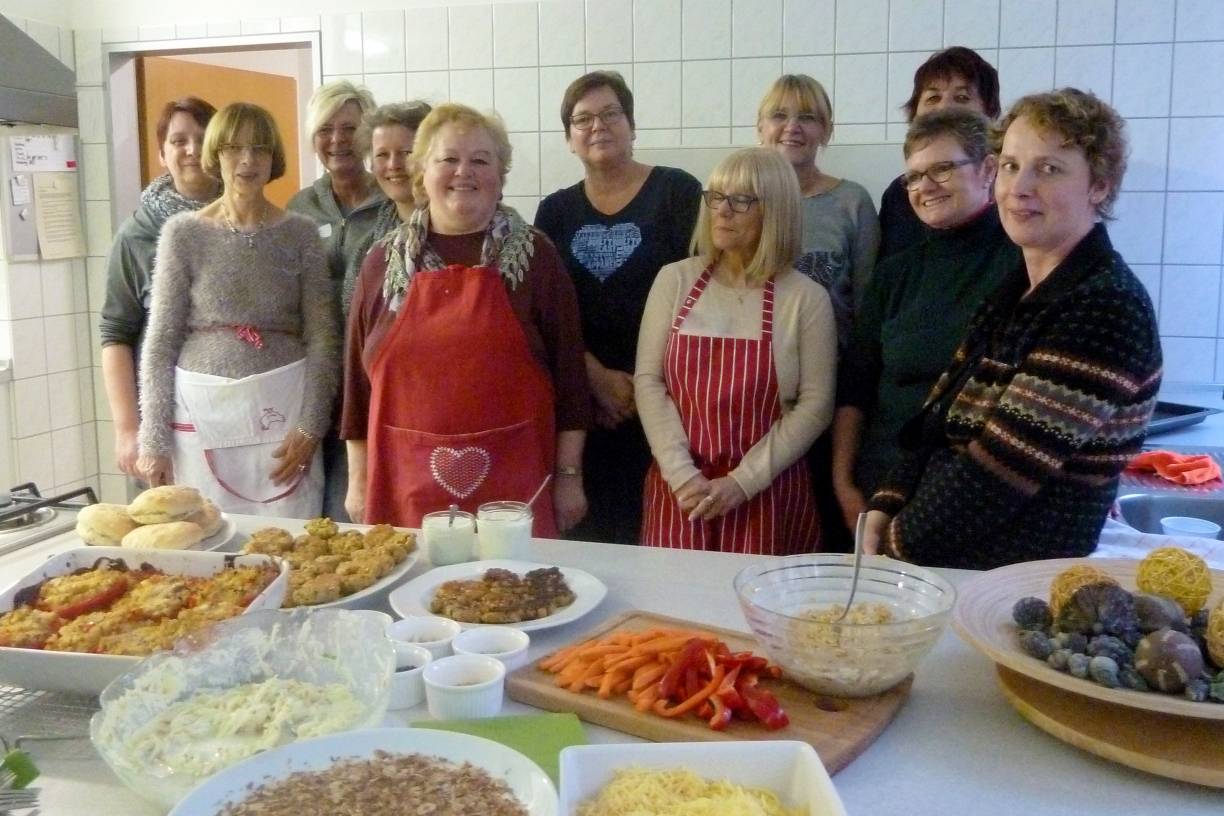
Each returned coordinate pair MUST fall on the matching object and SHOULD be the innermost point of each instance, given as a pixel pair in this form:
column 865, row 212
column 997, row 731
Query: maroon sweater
column 544, row 303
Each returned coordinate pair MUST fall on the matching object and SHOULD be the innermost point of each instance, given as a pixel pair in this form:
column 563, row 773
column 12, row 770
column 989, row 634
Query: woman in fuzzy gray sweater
column 240, row 361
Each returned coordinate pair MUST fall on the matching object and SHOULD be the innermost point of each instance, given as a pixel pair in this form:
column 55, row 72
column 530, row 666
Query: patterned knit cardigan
column 1017, row 452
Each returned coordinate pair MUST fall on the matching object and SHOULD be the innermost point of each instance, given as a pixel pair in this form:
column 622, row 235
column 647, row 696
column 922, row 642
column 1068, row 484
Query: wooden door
column 161, row 79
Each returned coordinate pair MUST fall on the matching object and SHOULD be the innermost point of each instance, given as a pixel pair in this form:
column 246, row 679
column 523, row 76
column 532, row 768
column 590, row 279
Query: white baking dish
column 77, row 673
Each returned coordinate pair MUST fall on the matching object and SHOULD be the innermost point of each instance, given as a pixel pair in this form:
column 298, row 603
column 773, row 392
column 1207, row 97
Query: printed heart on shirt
column 603, row 250
column 460, row 472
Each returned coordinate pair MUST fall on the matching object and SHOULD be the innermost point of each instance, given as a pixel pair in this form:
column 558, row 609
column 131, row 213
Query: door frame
column 119, row 84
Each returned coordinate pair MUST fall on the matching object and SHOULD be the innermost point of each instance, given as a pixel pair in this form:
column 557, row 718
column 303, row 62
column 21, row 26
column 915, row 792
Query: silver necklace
column 249, row 236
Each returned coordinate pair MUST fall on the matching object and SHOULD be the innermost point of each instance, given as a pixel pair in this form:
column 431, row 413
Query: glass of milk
column 504, row 529
column 447, row 542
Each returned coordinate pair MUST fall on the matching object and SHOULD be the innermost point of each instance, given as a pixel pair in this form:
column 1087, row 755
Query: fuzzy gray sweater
column 208, row 281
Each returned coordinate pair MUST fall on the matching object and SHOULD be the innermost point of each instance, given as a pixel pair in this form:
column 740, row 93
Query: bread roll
column 104, row 525
column 166, row 503
column 173, row 535
column 209, row 519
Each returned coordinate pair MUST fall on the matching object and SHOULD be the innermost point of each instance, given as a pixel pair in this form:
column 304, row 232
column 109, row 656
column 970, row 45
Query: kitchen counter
column 956, row 747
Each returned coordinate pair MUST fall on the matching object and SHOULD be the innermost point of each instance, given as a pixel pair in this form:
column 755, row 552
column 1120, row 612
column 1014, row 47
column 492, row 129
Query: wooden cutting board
column 1184, row 748
column 838, row 728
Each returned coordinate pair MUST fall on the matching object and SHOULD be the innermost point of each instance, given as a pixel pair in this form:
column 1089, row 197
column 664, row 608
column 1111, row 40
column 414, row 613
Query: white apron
column 225, row 431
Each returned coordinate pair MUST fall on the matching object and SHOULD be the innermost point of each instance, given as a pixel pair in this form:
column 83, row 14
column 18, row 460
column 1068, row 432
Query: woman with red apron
column 735, row 372
column 451, row 396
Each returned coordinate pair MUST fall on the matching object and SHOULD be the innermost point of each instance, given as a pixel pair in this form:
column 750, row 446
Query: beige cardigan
column 805, row 363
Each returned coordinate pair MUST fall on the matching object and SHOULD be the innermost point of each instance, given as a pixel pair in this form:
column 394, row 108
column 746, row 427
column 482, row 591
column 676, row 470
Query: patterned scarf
column 507, row 246
column 162, row 200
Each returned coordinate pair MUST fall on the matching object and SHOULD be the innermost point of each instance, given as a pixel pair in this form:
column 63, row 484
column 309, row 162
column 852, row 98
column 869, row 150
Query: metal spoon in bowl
column 859, row 527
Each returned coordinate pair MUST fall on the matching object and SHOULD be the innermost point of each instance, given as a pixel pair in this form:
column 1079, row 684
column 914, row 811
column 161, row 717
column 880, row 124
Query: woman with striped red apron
column 735, row 480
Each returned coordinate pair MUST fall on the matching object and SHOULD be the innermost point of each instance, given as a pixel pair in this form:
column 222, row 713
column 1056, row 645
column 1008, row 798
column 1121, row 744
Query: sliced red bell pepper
column 765, row 706
column 672, row 679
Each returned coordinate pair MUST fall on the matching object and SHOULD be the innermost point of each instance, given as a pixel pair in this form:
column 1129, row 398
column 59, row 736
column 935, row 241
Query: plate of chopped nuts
column 379, row 772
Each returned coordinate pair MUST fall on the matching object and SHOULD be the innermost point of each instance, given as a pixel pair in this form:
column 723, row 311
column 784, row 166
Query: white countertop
column 1208, row 433
column 956, row 747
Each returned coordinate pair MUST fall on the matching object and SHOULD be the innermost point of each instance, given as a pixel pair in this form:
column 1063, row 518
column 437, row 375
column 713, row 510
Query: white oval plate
column 528, row 782
column 414, row 597
column 983, row 617
column 354, row 601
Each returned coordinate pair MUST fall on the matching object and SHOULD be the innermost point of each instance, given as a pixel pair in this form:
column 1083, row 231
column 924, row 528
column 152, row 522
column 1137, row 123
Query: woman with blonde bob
column 464, row 376
column 735, row 370
column 239, row 367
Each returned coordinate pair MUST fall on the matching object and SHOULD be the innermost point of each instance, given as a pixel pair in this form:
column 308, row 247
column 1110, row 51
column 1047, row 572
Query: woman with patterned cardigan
column 1016, row 454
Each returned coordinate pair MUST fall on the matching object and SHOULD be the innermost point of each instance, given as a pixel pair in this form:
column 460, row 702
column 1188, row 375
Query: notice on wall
column 58, row 216
column 43, row 153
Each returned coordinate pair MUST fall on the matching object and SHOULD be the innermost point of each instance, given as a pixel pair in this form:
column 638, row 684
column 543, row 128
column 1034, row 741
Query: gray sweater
column 841, row 236
column 208, row 277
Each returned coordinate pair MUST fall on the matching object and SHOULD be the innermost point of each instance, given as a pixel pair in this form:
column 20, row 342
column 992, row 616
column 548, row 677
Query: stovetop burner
column 26, row 516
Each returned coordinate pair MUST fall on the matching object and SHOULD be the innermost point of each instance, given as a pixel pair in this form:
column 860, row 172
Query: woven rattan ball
column 1215, row 634
column 1072, row 578
column 1181, row 575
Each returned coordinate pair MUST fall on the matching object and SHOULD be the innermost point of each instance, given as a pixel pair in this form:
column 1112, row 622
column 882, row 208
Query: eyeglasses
column 258, row 151
column 781, row 117
column 586, row 121
column 939, row 172
column 739, row 202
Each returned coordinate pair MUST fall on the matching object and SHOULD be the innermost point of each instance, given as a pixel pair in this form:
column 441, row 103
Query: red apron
column 460, row 410
column 726, row 392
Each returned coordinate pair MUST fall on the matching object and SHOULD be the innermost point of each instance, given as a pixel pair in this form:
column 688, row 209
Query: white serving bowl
column 790, row 769
column 433, row 632
column 408, row 683
column 464, row 687
column 498, row 642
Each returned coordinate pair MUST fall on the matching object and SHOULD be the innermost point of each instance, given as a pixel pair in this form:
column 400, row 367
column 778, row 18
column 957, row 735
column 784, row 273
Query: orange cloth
column 1181, row 468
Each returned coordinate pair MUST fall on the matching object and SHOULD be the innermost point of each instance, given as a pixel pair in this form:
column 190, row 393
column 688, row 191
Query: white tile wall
column 1193, row 228
column 862, row 26
column 1085, row 22
column 916, row 26
column 1144, row 21
column 382, row 38
column 1149, row 146
column 426, row 40
column 971, row 23
column 1188, row 359
column 1190, row 300
column 516, row 95
column 562, row 32
column 1088, row 67
column 1200, row 20
column 756, row 28
column 1142, row 75
column 516, row 36
column 808, row 26
column 609, row 31
column 1027, row 22
column 472, row 47
column 1196, row 68
column 1196, row 154
column 706, row 29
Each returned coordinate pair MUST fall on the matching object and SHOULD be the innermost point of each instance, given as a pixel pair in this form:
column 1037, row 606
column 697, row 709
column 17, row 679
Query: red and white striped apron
column 726, row 391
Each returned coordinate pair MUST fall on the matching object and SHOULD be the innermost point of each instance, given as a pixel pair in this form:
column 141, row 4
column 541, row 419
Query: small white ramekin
column 498, row 642
column 430, row 631
column 407, row 683
column 464, row 687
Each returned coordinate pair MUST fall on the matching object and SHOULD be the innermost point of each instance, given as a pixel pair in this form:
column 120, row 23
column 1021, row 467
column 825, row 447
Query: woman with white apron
column 735, row 373
column 241, row 359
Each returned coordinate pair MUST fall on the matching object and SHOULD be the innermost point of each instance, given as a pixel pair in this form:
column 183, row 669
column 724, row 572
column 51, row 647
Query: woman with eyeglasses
column 919, row 301
column 614, row 229
column 955, row 77
column 184, row 187
column 241, row 360
column 735, row 370
column 1016, row 453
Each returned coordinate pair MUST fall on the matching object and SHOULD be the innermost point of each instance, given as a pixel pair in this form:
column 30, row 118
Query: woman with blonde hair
column 240, row 363
column 464, row 375
column 735, row 370
column 841, row 233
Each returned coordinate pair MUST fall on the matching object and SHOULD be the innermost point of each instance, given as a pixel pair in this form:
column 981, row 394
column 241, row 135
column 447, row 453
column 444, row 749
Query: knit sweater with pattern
column 1017, row 452
column 208, row 282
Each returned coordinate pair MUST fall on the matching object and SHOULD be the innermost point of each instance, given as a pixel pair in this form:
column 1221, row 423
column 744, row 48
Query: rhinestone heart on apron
column 460, row 472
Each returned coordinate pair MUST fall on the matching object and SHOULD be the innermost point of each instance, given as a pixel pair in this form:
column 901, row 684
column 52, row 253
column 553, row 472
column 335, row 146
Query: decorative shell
column 1066, row 582
column 1181, row 575
column 1215, row 634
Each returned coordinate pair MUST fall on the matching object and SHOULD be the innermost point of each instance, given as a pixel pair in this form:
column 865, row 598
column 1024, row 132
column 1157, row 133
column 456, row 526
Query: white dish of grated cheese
column 789, row 769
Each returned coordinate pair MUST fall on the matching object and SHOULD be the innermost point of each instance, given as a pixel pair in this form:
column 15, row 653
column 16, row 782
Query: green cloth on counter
column 539, row 737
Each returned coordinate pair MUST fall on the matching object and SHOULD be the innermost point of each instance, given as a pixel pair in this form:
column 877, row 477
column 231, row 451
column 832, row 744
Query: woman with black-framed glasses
column 735, row 371
column 614, row 229
column 919, row 301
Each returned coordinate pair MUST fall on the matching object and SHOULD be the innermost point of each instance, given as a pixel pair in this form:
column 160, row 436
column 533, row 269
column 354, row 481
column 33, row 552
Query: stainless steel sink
column 1143, row 511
